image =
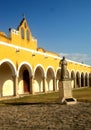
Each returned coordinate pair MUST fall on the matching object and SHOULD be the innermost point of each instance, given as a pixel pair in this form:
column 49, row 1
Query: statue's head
column 63, row 57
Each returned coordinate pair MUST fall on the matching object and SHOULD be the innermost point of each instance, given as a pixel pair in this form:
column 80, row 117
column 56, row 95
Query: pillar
column 32, row 85
column 79, row 82
column 44, row 84
column 54, row 84
column 75, row 86
column 83, row 82
column 87, row 82
column 15, row 85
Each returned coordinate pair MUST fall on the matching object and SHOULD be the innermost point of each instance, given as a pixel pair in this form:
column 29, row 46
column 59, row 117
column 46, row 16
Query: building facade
column 27, row 69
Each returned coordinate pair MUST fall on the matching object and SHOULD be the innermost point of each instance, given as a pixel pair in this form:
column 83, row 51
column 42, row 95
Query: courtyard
column 47, row 116
column 43, row 112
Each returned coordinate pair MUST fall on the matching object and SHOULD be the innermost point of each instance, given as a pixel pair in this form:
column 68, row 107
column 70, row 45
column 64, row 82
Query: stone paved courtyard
column 46, row 117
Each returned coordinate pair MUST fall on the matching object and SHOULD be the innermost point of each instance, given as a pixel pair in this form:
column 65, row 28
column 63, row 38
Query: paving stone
column 46, row 117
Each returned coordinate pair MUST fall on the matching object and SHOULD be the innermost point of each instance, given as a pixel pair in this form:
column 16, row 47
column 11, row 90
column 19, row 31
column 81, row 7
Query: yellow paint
column 21, row 48
column 19, row 55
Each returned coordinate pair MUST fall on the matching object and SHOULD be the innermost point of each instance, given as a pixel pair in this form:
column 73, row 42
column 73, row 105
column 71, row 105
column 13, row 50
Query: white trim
column 9, row 61
column 29, row 50
column 78, row 72
column 85, row 65
column 50, row 67
column 15, row 31
column 39, row 65
column 24, row 63
column 41, row 53
column 58, row 68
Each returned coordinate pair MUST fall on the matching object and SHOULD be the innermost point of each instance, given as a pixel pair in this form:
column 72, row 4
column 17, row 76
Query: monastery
column 27, row 69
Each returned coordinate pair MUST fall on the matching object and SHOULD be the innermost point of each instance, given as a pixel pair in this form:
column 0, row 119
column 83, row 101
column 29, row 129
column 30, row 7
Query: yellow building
column 25, row 68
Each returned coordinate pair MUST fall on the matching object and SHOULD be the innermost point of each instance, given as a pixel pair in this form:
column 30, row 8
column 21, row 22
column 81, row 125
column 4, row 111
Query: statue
column 64, row 72
column 65, row 85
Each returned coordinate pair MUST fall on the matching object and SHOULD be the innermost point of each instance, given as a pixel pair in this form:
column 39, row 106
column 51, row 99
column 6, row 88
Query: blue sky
column 61, row 26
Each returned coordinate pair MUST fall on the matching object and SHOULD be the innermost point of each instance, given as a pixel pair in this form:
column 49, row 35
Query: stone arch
column 78, row 82
column 82, row 80
column 72, row 74
column 69, row 73
column 11, row 65
column 28, row 66
column 73, row 79
column 7, row 73
column 39, row 65
column 39, row 79
column 25, row 78
column 50, row 75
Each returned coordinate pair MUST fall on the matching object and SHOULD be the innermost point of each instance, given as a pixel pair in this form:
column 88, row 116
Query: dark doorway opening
column 26, row 81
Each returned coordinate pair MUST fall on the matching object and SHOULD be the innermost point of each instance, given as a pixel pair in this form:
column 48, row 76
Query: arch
column 50, row 67
column 72, row 74
column 58, row 74
column 10, row 63
column 7, row 73
column 50, row 75
column 28, row 66
column 78, row 82
column 25, row 78
column 73, row 78
column 39, row 78
column 69, row 73
column 41, row 67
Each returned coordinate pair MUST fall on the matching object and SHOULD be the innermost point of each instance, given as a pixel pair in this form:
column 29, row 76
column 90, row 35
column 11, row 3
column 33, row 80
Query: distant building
column 25, row 68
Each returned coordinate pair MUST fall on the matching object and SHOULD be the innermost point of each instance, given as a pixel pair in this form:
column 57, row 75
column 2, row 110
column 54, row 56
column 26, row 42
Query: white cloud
column 81, row 58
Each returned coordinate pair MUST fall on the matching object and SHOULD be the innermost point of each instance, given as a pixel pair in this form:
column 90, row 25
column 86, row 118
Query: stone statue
column 65, row 85
column 64, row 72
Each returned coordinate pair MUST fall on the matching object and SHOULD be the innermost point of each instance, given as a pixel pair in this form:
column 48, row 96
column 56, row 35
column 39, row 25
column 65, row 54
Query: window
column 22, row 33
column 25, row 25
column 27, row 34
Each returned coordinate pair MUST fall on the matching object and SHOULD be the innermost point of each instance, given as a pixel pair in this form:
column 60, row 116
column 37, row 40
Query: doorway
column 26, row 81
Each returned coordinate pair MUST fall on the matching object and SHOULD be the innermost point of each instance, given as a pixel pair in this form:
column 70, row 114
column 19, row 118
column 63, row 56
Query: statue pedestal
column 65, row 92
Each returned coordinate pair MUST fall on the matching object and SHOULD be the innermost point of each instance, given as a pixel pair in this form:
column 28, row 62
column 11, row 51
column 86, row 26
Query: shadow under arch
column 50, row 78
column 25, row 78
column 39, row 75
column 7, row 75
column 78, row 81
column 73, row 78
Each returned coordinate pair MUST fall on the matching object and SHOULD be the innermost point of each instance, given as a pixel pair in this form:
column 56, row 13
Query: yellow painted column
column 32, row 85
column 75, row 86
column 16, row 85
column 54, row 84
column 44, row 84
column 79, row 82
column 87, row 82
column 83, row 82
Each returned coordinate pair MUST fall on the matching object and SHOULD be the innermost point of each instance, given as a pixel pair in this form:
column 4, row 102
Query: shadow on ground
column 24, row 103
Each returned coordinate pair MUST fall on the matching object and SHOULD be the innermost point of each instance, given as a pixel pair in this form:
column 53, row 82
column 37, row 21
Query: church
column 27, row 69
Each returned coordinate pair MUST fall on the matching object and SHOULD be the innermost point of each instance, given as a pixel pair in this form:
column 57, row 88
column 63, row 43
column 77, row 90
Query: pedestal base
column 69, row 101
column 65, row 92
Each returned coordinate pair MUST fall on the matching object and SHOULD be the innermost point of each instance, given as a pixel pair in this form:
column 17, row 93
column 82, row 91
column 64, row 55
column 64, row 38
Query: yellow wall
column 18, row 50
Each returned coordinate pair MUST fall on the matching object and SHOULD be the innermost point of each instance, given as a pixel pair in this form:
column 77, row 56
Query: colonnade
column 26, row 80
